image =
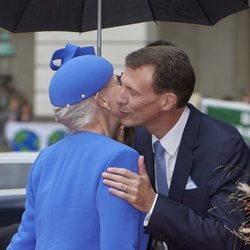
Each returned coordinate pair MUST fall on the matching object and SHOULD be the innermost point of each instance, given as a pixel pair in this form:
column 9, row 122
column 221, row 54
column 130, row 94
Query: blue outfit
column 69, row 208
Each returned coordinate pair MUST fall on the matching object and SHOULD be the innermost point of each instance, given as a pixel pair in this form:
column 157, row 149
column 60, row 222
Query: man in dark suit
column 203, row 157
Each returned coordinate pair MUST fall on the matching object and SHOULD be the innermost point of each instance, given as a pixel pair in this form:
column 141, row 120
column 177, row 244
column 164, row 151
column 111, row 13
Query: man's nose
column 121, row 97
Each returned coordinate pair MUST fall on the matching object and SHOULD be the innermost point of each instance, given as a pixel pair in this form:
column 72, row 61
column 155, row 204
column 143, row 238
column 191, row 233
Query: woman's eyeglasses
column 119, row 81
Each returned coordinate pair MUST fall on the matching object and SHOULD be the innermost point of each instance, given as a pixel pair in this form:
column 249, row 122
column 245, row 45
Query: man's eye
column 133, row 93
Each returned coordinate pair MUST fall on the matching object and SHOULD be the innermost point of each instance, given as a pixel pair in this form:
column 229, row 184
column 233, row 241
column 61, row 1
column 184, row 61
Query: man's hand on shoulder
column 132, row 187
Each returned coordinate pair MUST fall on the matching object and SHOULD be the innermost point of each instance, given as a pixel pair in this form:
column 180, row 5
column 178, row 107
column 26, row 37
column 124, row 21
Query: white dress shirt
column 170, row 142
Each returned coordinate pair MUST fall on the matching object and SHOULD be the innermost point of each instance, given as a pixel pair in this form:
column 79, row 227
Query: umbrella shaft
column 99, row 28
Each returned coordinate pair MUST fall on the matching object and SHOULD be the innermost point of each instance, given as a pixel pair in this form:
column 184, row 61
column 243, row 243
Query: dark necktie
column 161, row 168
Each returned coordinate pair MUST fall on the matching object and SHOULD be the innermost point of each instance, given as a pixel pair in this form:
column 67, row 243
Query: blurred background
column 219, row 54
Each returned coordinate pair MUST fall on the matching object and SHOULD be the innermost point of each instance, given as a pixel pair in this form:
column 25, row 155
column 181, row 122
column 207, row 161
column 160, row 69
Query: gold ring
column 126, row 189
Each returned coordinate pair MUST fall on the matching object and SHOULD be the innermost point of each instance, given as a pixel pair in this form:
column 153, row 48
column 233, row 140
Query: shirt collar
column 172, row 139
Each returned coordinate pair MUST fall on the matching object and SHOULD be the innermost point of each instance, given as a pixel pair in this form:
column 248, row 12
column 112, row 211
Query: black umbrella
column 87, row 15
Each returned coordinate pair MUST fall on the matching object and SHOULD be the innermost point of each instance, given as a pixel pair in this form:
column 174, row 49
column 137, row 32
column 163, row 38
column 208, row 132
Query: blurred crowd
column 246, row 96
column 18, row 108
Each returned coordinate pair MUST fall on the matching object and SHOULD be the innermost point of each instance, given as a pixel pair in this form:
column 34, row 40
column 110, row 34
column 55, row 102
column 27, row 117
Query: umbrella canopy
column 82, row 15
column 87, row 15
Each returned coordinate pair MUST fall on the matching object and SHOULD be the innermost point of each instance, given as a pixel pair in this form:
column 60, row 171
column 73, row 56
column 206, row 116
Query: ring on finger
column 126, row 189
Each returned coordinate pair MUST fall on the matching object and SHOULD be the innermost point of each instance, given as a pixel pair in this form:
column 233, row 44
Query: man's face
column 139, row 105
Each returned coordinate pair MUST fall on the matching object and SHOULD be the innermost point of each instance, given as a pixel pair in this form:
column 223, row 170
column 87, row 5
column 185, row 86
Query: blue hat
column 67, row 53
column 78, row 79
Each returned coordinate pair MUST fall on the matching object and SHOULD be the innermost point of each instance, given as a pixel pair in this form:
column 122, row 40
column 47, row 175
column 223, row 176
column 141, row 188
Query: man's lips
column 123, row 112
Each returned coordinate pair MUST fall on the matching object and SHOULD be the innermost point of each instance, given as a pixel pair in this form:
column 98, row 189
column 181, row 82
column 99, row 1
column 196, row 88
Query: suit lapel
column 184, row 160
column 181, row 173
column 144, row 146
column 149, row 160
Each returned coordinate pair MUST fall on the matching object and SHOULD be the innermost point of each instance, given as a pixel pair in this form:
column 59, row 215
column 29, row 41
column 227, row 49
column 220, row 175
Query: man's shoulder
column 210, row 123
column 141, row 130
column 142, row 134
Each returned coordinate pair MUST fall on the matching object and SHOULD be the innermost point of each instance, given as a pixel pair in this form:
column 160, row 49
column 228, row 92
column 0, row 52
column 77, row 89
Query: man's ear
column 169, row 101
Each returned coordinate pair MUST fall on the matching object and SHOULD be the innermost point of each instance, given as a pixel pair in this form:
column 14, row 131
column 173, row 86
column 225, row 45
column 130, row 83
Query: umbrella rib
column 205, row 13
column 152, row 11
column 81, row 20
column 20, row 16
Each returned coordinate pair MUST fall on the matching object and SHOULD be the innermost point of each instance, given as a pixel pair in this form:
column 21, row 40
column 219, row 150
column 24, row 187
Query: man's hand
column 132, row 187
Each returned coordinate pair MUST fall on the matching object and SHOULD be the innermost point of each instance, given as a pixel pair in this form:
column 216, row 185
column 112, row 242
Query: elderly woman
column 67, row 205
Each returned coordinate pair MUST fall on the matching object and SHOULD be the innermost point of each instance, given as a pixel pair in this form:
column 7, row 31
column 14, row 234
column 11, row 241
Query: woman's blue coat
column 69, row 208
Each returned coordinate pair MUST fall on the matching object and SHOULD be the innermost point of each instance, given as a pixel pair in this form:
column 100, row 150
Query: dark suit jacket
column 199, row 218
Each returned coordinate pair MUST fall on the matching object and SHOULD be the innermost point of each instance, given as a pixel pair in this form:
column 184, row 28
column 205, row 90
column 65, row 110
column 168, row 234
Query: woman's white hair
column 76, row 116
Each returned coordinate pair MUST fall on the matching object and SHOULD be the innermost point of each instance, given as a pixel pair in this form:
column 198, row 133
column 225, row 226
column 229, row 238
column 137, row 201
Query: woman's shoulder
column 100, row 144
column 118, row 146
column 122, row 155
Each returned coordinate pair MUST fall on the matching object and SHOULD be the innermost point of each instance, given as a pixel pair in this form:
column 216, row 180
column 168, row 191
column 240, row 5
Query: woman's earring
column 121, row 131
column 108, row 108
